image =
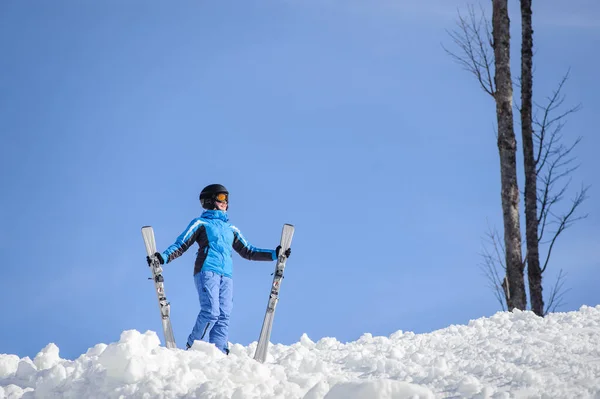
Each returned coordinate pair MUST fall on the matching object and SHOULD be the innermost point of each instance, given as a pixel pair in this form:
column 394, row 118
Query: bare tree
column 534, row 272
column 486, row 54
column 514, row 287
column 547, row 162
column 549, row 166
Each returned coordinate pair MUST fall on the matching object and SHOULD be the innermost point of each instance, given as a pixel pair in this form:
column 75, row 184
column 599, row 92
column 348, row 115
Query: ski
column 156, row 269
column 265, row 332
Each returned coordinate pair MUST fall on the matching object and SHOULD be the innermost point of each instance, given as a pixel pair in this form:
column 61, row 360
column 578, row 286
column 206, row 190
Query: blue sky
column 345, row 119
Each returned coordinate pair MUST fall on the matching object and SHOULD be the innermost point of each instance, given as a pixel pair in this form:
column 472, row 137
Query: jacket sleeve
column 248, row 251
column 184, row 241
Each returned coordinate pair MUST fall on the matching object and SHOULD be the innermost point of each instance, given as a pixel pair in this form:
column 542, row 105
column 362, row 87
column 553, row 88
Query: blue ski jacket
column 216, row 238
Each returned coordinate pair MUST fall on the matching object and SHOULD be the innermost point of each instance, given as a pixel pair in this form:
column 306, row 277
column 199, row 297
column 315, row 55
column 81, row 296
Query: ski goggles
column 222, row 197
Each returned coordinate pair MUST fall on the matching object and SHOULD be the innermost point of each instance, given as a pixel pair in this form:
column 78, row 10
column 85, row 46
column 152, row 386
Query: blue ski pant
column 216, row 302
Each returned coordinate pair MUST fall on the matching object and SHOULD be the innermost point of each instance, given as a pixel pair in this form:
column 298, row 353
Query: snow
column 508, row 355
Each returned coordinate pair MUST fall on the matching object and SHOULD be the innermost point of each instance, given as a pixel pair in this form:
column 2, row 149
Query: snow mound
column 507, row 355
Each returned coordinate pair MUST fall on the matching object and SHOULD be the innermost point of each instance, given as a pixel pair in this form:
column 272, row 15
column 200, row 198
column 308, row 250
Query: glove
column 158, row 256
column 287, row 252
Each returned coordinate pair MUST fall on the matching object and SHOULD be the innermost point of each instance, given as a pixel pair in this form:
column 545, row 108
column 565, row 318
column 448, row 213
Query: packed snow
column 508, row 355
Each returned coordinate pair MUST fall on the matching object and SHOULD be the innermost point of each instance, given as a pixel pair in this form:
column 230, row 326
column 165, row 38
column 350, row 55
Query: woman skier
column 213, row 270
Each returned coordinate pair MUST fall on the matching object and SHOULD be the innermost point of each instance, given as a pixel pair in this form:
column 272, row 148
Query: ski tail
column 265, row 332
column 265, row 336
column 169, row 336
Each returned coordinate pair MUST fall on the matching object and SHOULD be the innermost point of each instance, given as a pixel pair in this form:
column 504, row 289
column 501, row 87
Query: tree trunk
column 514, row 287
column 531, row 219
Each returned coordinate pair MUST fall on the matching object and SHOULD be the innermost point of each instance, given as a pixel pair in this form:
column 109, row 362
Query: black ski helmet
column 208, row 193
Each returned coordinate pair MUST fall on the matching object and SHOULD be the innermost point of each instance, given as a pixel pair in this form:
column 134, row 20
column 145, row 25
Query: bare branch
column 557, row 293
column 473, row 38
column 549, row 124
column 566, row 220
column 491, row 260
column 554, row 163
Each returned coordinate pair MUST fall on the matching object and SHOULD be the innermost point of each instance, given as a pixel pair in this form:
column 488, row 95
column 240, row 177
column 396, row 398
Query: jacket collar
column 215, row 214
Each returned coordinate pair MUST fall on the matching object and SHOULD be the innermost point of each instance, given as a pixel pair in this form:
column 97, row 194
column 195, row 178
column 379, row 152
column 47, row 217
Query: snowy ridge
column 507, row 355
